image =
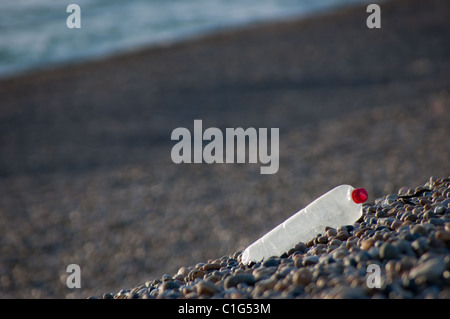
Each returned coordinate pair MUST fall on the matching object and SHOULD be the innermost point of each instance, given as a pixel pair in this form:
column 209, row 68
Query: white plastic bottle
column 340, row 206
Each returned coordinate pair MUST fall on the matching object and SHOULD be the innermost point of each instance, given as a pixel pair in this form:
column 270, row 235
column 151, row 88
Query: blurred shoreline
column 85, row 169
column 37, row 37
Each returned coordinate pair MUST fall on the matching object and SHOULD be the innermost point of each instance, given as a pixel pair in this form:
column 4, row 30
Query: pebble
column 420, row 245
column 263, row 272
column 436, row 221
column 339, row 253
column 266, row 284
column 212, row 266
column 195, row 273
column 303, row 276
column 388, row 251
column 331, row 232
column 335, row 241
column 366, row 244
column 443, row 235
column 301, row 247
column 409, row 238
column 430, row 271
column 270, row 262
column 168, row 285
column 342, row 235
column 183, row 271
column 206, row 288
column 310, row 260
column 234, row 280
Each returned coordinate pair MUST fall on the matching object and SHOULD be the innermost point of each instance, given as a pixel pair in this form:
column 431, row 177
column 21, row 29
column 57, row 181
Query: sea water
column 34, row 34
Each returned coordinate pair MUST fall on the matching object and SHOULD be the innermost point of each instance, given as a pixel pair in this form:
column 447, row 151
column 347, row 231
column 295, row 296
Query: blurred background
column 86, row 117
column 34, row 33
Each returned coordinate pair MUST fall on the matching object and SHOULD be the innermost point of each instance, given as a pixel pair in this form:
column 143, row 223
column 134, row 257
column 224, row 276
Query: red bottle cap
column 359, row 195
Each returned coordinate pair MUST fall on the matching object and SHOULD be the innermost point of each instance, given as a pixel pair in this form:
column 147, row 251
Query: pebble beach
column 86, row 175
column 406, row 235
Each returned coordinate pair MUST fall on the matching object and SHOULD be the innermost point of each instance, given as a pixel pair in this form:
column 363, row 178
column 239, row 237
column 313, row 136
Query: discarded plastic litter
column 340, row 206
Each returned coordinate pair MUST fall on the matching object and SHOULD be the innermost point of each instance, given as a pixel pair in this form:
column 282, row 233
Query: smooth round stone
column 436, row 194
column 232, row 262
column 342, row 235
column 380, row 214
column 418, row 229
column 388, row 251
column 436, row 221
column 195, row 273
column 211, row 266
column 206, row 288
column 236, row 255
column 213, row 278
column 443, row 235
column 445, row 203
column 263, row 272
column 390, row 198
column 335, row 241
column 310, row 243
column 420, row 245
column 447, row 226
column 298, row 261
column 283, row 271
column 301, row 247
column 392, row 212
column 326, row 259
column 184, row 271
column 430, row 270
column 234, row 280
column 361, row 256
column 369, row 232
column 266, row 284
column 428, row 214
column 166, row 277
column 377, row 235
column 302, row 276
column 446, row 192
column 374, row 252
column 178, row 277
column 366, row 244
column 349, row 261
column 271, row 262
column 339, row 253
column 396, row 224
column 310, row 260
column 123, row 292
column 406, row 263
column 319, row 249
column 359, row 232
column 404, row 247
column 331, row 232
column 411, row 217
column 168, row 285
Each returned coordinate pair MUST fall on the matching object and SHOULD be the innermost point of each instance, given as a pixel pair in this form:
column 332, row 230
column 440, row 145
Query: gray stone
column 206, row 288
column 431, row 270
column 310, row 260
column 169, row 284
column 270, row 262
